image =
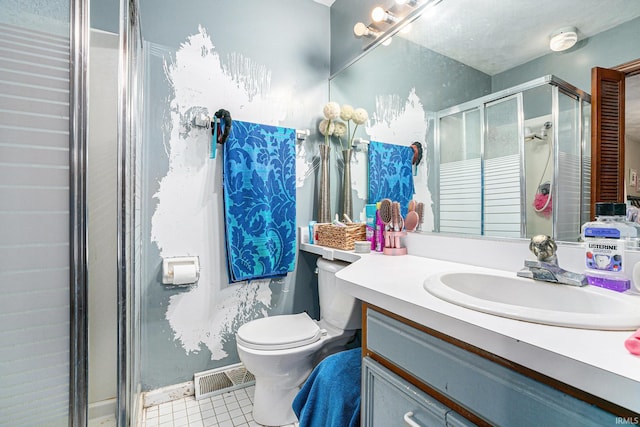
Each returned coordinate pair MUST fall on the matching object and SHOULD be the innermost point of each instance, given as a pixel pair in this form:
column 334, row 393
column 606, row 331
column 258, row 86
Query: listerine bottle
column 606, row 239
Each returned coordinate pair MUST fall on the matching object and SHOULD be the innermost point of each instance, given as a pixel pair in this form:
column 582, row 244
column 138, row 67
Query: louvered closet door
column 607, row 142
column 34, row 215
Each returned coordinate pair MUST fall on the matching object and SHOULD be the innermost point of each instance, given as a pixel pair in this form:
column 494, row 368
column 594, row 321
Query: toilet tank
column 337, row 308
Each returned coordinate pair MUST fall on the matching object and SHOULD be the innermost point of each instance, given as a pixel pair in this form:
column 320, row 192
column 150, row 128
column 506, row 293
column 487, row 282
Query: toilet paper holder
column 180, row 270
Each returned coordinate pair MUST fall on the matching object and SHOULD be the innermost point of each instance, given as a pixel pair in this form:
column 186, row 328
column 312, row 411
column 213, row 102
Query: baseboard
column 103, row 408
column 168, row 393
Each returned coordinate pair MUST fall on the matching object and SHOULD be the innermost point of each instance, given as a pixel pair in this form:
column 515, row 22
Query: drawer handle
column 408, row 421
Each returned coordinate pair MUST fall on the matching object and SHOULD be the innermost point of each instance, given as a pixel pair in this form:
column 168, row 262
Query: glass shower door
column 502, row 166
column 41, row 193
column 568, row 196
column 460, row 174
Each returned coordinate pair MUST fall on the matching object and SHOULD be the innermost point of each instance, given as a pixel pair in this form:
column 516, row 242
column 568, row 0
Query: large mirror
column 463, row 69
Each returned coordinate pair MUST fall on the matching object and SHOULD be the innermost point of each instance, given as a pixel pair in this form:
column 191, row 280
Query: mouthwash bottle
column 606, row 239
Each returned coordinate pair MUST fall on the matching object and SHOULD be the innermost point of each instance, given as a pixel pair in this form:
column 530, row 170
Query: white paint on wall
column 189, row 218
column 398, row 121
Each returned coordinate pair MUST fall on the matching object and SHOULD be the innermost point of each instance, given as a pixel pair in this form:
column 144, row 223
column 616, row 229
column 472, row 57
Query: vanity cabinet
column 388, row 400
column 408, row 369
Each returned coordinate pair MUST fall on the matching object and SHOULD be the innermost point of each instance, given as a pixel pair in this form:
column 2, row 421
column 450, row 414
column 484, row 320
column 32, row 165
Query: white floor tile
column 232, row 409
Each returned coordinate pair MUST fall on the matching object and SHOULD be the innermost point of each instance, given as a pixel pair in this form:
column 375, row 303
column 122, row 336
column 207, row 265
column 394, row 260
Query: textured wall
column 265, row 62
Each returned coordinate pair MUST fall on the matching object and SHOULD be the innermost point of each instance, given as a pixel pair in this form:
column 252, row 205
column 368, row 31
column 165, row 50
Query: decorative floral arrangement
column 330, row 126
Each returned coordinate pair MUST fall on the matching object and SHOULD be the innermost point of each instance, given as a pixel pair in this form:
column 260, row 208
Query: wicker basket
column 335, row 236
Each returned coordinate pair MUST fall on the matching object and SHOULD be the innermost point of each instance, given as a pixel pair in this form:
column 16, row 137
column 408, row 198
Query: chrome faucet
column 546, row 268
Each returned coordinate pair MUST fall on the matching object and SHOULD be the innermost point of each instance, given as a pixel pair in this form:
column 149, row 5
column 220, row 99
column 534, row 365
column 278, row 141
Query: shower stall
column 43, row 245
column 515, row 163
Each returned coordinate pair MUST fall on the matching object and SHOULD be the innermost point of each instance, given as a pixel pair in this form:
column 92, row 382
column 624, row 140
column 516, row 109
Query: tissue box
column 335, row 236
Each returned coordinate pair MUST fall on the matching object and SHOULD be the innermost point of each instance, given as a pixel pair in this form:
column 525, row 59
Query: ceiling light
column 563, row 39
column 378, row 14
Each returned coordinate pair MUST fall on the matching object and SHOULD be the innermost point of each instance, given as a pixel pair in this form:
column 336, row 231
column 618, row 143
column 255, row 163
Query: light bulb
column 406, row 29
column 378, row 14
column 360, row 29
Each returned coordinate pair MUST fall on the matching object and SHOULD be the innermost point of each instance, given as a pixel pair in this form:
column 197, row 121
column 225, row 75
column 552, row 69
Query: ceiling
column 492, row 38
column 496, row 35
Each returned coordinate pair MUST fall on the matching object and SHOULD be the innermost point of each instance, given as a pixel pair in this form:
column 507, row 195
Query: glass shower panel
column 586, row 162
column 35, row 278
column 538, row 159
column 460, row 173
column 502, row 214
column 568, row 195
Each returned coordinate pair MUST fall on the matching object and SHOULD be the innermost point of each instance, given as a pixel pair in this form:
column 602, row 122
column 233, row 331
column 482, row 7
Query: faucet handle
column 543, row 247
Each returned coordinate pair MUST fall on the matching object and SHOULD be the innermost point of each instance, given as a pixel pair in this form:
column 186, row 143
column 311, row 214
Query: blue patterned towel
column 390, row 175
column 331, row 395
column 260, row 201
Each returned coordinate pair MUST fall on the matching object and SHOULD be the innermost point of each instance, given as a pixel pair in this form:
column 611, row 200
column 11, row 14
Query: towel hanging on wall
column 260, row 201
column 390, row 174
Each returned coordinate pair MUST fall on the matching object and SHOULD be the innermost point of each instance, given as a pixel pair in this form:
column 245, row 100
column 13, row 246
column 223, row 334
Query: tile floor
column 231, row 409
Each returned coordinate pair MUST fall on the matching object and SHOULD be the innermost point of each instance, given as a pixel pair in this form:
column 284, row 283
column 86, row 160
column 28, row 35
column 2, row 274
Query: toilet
column 281, row 351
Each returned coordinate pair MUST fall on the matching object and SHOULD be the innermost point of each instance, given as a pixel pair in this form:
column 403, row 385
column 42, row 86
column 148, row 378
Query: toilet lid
column 279, row 332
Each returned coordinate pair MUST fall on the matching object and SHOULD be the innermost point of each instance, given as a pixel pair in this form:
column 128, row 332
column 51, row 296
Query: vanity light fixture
column 563, row 39
column 361, row 30
column 378, row 14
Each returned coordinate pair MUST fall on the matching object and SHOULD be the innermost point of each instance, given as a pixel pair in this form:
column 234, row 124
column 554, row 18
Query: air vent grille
column 222, row 380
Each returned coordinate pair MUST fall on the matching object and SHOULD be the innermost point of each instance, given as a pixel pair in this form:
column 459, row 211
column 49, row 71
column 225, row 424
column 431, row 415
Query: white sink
column 507, row 295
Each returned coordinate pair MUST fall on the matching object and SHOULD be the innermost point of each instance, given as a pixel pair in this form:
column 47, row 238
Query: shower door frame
column 129, row 407
column 78, row 137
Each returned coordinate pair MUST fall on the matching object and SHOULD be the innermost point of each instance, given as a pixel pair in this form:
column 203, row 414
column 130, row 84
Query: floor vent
column 222, row 380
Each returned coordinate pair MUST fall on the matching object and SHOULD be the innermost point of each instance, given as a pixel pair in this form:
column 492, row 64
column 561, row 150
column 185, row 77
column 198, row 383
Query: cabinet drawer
column 388, row 400
column 495, row 393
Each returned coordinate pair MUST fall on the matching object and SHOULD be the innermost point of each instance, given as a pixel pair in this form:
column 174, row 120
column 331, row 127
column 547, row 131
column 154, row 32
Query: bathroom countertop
column 590, row 360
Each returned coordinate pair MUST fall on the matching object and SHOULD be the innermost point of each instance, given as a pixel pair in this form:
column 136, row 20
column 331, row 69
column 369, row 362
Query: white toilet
column 281, row 351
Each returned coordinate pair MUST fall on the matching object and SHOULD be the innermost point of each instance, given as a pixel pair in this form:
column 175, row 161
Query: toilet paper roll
column 184, row 274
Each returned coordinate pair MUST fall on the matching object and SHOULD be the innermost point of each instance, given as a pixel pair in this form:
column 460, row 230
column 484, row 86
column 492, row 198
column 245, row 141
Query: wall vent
column 221, row 380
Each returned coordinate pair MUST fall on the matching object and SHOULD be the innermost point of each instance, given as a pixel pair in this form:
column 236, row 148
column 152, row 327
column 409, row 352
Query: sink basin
column 507, row 295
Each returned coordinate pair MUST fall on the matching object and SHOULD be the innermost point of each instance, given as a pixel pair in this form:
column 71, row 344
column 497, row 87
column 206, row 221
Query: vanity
column 427, row 361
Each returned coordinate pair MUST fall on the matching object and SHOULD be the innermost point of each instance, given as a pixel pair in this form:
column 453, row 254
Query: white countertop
column 590, row 360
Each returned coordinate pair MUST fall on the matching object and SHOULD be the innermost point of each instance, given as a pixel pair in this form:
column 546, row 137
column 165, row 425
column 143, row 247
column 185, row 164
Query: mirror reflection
column 480, row 85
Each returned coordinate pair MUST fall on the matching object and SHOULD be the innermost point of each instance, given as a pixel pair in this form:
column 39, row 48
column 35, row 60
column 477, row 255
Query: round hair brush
column 386, row 217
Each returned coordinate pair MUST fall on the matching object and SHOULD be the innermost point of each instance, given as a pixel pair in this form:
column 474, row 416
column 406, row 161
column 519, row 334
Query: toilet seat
column 279, row 332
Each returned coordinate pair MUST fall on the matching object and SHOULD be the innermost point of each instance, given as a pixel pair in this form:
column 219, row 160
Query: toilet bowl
column 281, row 351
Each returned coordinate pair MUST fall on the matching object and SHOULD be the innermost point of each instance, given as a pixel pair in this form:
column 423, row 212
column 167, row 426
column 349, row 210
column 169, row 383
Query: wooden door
column 607, row 136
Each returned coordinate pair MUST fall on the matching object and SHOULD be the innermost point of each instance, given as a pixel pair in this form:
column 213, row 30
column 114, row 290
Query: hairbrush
column 385, row 217
column 420, row 212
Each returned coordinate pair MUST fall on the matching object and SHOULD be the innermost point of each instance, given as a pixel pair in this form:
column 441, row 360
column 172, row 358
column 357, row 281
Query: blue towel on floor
column 260, row 201
column 331, row 395
column 390, row 175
